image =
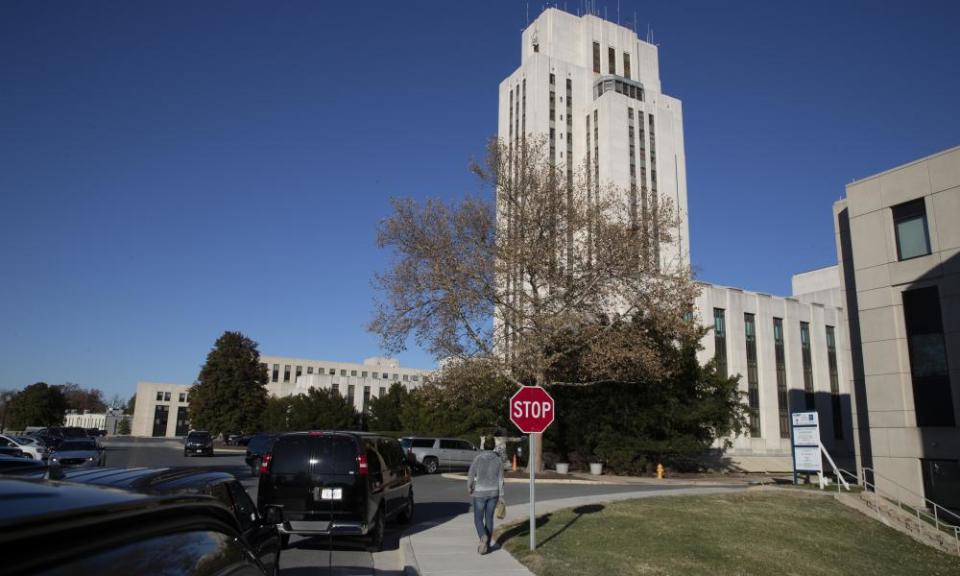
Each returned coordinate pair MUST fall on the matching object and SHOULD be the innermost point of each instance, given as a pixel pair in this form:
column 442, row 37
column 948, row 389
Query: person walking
column 485, row 483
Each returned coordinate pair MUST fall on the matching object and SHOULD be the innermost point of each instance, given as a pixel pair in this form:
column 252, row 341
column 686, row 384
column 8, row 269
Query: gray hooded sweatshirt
column 485, row 478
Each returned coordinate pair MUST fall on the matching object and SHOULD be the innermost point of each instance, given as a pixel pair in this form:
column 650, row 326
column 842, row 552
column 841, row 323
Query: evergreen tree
column 230, row 394
column 123, row 427
column 321, row 409
column 385, row 410
column 37, row 405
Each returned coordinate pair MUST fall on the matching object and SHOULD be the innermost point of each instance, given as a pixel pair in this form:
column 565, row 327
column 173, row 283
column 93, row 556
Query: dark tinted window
column 260, row 443
column 423, row 442
column 194, row 553
column 245, row 510
column 68, row 445
column 198, row 436
column 327, row 454
column 373, row 458
column 391, row 452
column 464, row 445
column 449, row 444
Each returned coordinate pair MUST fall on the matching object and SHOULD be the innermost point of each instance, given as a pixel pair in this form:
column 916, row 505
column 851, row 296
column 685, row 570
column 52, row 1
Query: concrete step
column 901, row 521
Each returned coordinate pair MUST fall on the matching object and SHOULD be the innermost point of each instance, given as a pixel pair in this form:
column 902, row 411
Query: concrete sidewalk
column 450, row 547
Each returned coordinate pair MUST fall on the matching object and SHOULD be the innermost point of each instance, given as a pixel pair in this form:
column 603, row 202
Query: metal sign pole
column 532, row 465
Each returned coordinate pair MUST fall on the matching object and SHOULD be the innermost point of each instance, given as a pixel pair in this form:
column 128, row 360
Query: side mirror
column 273, row 515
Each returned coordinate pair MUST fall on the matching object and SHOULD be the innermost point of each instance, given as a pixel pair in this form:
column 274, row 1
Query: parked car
column 78, row 452
column 13, row 451
column 51, row 437
column 245, row 439
column 433, row 454
column 110, row 532
column 18, row 465
column 262, row 537
column 31, row 449
column 337, row 483
column 256, row 448
column 198, row 442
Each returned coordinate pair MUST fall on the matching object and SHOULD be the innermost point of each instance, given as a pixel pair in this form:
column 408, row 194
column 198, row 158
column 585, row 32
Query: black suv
column 338, row 483
column 49, row 528
column 198, row 442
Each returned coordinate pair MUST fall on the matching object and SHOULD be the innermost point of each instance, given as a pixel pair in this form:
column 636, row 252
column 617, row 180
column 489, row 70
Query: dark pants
column 483, row 509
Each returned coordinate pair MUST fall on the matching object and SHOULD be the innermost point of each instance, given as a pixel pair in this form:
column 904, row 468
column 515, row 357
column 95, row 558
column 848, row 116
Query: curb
column 409, row 557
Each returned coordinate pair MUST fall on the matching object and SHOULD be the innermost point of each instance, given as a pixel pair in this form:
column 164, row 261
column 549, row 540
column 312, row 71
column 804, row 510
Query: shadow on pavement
column 338, row 571
column 523, row 528
column 426, row 515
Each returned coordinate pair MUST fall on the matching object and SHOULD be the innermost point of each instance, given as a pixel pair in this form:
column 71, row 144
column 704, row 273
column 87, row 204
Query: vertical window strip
column 589, row 195
column 720, row 341
column 782, row 395
column 569, row 93
column 654, row 216
column 753, row 384
column 632, row 160
column 807, row 366
column 834, row 383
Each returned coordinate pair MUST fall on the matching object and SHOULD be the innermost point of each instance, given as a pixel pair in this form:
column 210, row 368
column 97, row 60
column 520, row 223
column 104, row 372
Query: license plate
column 198, row 450
column 331, row 494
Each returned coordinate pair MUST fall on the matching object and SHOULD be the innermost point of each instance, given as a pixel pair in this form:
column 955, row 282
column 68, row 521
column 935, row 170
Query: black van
column 340, row 483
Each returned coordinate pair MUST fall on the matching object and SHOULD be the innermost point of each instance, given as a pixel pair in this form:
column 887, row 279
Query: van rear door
column 316, row 477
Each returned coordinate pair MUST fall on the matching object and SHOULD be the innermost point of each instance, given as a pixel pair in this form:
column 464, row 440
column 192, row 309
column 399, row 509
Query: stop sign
column 531, row 409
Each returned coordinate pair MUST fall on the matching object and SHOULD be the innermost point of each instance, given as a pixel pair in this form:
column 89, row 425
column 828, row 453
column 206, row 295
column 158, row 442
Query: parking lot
column 438, row 499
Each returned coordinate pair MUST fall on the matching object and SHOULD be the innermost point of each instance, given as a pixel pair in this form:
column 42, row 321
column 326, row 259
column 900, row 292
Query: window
column 183, row 421
column 376, row 375
column 415, row 378
column 299, row 372
column 929, row 372
column 333, row 372
column 834, row 383
column 363, row 374
column 596, row 57
column 309, row 369
column 782, row 396
column 385, row 375
column 183, row 396
column 406, row 377
column 335, row 387
column 753, row 384
column 159, row 396
column 910, row 226
column 286, row 373
column 166, row 396
column 396, row 377
column 720, row 340
column 626, row 65
column 343, row 372
column 809, row 398
column 276, row 373
column 611, row 61
column 350, row 393
column 366, row 398
column 353, row 372
column 382, row 391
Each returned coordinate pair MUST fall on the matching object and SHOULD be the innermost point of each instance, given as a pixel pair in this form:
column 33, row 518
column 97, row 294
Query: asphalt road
column 437, row 499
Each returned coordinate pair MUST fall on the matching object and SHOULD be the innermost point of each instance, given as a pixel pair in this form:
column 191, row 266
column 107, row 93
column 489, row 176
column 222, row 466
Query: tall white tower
column 593, row 89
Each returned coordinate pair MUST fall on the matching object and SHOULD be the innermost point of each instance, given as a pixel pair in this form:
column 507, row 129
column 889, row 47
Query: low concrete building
column 792, row 355
column 898, row 242
column 108, row 420
column 161, row 409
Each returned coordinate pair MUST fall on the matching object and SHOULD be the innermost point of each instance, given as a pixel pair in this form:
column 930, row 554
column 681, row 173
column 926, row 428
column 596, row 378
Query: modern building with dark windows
column 898, row 242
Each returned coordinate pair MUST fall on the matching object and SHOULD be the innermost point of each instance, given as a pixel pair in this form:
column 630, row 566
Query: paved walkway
column 449, row 547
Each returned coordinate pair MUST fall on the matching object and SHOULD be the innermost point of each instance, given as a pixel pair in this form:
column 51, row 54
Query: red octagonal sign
column 531, row 409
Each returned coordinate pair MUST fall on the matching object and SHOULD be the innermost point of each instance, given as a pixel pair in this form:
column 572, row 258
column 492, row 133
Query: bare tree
column 543, row 272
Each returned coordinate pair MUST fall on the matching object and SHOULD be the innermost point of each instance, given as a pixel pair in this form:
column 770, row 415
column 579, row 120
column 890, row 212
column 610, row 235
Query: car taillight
column 265, row 463
column 362, row 465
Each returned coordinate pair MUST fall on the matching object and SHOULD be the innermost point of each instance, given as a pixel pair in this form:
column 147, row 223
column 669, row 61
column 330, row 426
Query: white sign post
column 805, row 444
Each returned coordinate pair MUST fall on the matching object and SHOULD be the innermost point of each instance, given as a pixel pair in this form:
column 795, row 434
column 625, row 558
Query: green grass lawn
column 756, row 532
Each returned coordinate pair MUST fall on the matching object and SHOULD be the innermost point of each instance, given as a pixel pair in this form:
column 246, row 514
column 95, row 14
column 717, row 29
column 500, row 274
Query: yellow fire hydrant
column 660, row 471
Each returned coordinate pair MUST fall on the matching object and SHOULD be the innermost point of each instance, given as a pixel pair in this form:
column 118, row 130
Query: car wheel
column 376, row 532
column 431, row 465
column 406, row 516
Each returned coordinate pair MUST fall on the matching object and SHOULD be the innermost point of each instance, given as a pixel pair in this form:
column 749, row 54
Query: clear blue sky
column 170, row 170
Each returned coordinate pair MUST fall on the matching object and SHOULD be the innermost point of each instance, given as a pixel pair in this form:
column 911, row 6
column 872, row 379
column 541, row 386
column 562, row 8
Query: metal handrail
column 920, row 512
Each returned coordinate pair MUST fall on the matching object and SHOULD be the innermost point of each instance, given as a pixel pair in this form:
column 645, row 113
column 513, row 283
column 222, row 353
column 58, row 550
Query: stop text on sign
column 531, row 409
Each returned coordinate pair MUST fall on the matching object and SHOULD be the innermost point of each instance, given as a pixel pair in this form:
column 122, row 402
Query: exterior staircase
column 939, row 528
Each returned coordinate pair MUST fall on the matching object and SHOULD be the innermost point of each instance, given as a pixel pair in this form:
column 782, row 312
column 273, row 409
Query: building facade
column 108, row 420
column 592, row 88
column 792, row 355
column 161, row 409
column 898, row 243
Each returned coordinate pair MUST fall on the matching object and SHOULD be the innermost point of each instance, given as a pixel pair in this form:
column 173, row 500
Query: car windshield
column 198, row 436
column 68, row 445
column 260, row 442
